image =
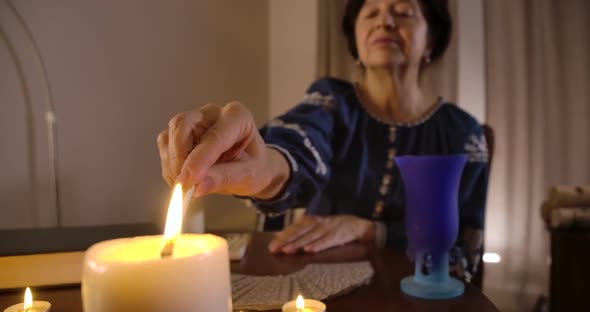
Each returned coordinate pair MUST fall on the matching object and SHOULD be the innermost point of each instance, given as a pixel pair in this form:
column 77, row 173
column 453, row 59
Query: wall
column 118, row 71
column 293, row 52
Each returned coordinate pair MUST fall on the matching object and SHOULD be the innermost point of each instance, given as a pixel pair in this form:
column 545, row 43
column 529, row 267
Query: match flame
column 174, row 216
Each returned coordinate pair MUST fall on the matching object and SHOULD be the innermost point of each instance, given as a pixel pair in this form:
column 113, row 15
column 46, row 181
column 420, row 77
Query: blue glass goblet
column 431, row 185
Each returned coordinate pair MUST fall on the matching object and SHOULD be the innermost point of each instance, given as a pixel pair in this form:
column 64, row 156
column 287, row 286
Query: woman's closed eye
column 371, row 13
column 404, row 14
column 403, row 11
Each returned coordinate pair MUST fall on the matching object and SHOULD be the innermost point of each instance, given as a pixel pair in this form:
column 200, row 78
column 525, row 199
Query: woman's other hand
column 219, row 150
column 314, row 234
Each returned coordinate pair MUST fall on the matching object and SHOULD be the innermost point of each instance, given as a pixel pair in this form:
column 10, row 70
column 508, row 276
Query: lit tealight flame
column 174, row 216
column 300, row 303
column 28, row 299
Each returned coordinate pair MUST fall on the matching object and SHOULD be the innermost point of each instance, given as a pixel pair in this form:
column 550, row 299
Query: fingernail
column 183, row 176
column 288, row 250
column 273, row 247
column 292, row 251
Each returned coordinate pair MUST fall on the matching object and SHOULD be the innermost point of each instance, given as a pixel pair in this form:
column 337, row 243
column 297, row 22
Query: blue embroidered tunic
column 341, row 158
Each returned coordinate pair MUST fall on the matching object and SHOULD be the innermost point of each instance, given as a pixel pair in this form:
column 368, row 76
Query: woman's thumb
column 227, row 177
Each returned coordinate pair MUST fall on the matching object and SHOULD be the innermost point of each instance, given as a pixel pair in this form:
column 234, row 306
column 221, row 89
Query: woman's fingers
column 180, row 139
column 325, row 242
column 315, row 234
column 234, row 177
column 232, row 128
column 184, row 132
column 288, row 235
column 217, row 149
column 163, row 149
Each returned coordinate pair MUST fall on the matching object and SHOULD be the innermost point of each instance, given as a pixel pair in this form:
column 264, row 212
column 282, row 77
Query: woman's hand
column 219, row 150
column 314, row 234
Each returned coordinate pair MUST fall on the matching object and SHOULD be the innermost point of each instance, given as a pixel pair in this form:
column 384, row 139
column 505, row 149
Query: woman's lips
column 385, row 42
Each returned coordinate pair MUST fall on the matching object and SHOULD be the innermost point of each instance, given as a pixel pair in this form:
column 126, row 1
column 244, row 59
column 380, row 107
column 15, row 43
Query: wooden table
column 382, row 294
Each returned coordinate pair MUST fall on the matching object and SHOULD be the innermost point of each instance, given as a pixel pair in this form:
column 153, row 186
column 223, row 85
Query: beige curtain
column 538, row 76
column 335, row 61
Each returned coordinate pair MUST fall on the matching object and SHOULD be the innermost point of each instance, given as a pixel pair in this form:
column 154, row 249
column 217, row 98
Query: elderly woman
column 333, row 153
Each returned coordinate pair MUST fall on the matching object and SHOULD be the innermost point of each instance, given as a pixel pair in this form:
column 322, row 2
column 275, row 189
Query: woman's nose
column 387, row 20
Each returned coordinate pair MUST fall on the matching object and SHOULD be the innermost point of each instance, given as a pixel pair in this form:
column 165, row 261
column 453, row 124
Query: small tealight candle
column 304, row 305
column 29, row 305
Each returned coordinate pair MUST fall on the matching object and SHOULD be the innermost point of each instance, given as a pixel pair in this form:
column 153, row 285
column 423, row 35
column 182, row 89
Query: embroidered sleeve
column 477, row 148
column 472, row 202
column 303, row 135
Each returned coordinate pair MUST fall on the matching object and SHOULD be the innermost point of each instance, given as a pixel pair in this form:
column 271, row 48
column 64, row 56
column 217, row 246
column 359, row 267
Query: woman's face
column 391, row 33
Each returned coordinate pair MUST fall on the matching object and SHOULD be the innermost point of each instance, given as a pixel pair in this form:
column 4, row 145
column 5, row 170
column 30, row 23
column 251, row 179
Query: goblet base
column 450, row 288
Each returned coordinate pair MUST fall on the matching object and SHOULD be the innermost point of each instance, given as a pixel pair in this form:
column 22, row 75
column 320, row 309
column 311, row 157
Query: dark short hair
column 436, row 13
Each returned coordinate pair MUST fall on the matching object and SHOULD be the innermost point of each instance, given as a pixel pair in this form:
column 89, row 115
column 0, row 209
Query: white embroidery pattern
column 316, row 98
column 321, row 166
column 477, row 148
column 281, row 124
column 287, row 154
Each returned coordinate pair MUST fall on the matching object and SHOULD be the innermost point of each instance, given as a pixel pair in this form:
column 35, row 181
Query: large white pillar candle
column 128, row 274
column 173, row 272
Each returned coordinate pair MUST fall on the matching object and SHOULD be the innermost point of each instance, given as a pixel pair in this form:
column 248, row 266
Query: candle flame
column 300, row 303
column 174, row 216
column 28, row 299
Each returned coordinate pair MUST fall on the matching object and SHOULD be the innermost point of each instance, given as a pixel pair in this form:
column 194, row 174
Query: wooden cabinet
column 570, row 270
